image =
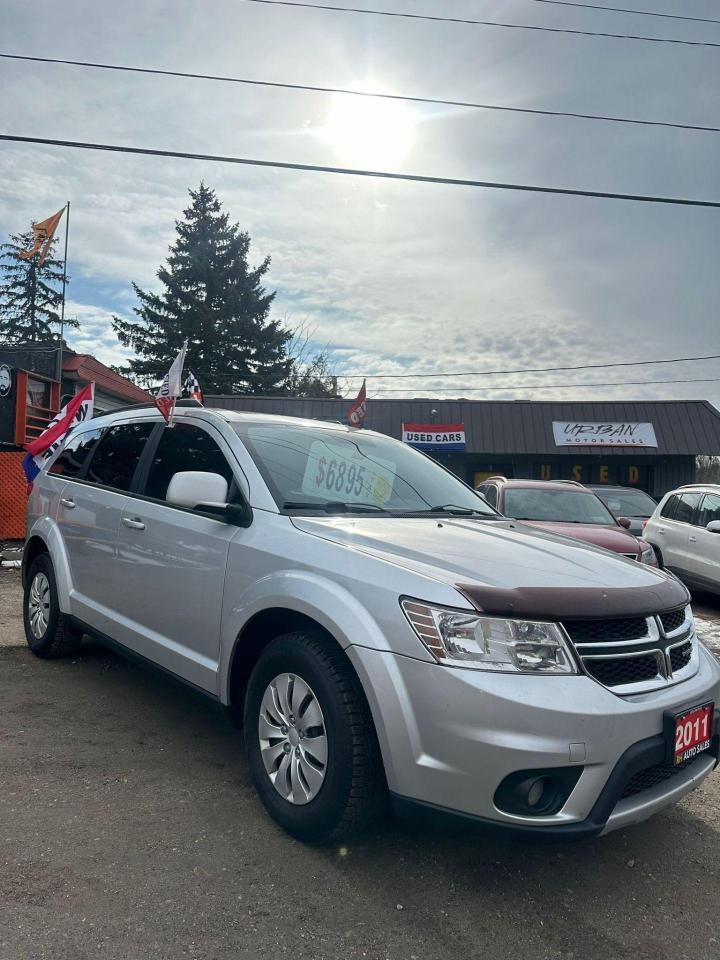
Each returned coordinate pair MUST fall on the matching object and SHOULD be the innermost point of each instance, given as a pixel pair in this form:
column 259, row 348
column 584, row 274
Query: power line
column 356, row 93
column 639, row 13
column 358, row 172
column 482, row 23
column 563, row 386
column 478, row 373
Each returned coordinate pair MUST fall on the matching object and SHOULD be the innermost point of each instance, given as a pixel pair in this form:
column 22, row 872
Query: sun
column 370, row 132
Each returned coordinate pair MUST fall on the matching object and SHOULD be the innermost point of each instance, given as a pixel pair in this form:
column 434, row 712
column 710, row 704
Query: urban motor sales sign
column 576, row 433
column 435, row 436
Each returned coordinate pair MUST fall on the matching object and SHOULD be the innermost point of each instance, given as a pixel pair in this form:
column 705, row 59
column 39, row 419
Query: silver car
column 381, row 633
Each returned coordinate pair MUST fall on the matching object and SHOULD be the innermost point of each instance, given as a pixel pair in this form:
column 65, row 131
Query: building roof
column 86, row 368
column 517, row 427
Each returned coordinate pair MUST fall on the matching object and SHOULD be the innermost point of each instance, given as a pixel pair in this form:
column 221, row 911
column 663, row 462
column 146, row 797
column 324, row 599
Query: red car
column 566, row 508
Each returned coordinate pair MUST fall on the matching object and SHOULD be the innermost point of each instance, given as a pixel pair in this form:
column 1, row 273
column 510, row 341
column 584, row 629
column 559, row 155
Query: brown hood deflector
column 581, row 603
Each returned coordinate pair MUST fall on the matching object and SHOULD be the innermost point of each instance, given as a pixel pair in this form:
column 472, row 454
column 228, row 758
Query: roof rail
column 144, row 406
column 499, row 476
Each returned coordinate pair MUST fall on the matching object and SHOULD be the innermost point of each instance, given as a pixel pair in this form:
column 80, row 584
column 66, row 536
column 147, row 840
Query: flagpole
column 62, row 307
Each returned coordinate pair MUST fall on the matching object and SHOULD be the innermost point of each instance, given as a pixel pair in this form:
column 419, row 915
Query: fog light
column 536, row 793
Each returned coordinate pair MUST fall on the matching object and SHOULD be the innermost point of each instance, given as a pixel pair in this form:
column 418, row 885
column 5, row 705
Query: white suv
column 684, row 531
column 380, row 631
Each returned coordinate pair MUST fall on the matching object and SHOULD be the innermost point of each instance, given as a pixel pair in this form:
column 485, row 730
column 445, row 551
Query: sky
column 393, row 277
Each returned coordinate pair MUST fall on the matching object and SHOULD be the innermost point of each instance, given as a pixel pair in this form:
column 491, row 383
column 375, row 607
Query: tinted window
column 670, row 506
column 491, row 495
column 685, row 509
column 117, row 455
column 184, row 447
column 75, row 454
column 710, row 509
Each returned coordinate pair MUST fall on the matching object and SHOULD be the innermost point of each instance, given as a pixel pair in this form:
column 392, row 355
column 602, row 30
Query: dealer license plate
column 693, row 733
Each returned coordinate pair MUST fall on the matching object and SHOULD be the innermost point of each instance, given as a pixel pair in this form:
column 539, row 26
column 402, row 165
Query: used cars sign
column 574, row 433
column 435, row 436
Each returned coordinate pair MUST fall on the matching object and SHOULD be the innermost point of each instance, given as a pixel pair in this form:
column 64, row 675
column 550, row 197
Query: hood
column 608, row 537
column 503, row 556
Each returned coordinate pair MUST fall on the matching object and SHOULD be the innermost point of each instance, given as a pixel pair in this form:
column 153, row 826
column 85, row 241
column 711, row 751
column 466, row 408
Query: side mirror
column 191, row 487
column 713, row 526
column 207, row 492
column 624, row 522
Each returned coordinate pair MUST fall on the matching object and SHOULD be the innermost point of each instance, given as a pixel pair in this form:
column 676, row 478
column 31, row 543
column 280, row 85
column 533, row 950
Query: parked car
column 379, row 630
column 567, row 508
column 628, row 503
column 684, row 531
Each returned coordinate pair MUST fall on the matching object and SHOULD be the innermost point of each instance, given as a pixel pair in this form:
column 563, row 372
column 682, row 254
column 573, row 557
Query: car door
column 172, row 560
column 704, row 546
column 673, row 529
column 98, row 467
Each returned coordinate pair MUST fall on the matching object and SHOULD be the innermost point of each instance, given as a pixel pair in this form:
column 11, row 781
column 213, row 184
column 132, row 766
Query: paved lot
column 129, row 830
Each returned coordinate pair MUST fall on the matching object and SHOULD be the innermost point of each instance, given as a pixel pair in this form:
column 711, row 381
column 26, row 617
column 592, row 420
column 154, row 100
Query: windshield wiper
column 458, row 511
column 335, row 506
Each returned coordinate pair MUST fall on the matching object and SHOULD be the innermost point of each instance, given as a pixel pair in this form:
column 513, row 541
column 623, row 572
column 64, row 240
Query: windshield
column 322, row 468
column 560, row 506
column 628, row 503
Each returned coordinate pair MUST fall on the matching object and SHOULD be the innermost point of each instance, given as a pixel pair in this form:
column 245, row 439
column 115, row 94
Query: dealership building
column 647, row 444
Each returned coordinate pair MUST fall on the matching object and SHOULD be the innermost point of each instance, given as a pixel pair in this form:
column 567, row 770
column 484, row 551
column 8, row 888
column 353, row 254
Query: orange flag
column 43, row 234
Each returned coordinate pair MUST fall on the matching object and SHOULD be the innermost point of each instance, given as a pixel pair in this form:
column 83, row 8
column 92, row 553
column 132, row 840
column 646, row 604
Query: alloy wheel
column 39, row 605
column 293, row 738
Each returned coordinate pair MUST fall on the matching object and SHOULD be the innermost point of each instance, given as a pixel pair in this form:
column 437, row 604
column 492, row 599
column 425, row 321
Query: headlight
column 647, row 555
column 459, row 639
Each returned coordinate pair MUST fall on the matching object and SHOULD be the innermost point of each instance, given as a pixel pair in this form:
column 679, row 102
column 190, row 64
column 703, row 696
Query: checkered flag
column 191, row 387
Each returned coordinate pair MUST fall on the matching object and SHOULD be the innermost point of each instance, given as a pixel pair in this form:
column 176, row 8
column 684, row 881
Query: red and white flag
column 172, row 386
column 356, row 413
column 40, row 450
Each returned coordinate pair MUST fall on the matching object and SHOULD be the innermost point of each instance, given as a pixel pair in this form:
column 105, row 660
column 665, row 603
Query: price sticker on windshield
column 339, row 471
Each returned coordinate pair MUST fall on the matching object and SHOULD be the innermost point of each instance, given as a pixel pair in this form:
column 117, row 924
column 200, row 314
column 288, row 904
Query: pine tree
column 214, row 299
column 30, row 294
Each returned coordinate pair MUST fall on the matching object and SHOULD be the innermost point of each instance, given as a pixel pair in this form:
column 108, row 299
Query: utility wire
column 481, row 23
column 477, row 373
column 638, row 13
column 358, row 172
column 564, row 386
column 356, row 93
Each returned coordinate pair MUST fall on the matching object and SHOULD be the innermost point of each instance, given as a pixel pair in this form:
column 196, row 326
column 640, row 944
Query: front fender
column 46, row 529
column 325, row 601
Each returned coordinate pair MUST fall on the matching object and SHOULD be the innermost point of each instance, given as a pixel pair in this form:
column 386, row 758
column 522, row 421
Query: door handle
column 692, row 539
column 661, row 529
column 67, row 502
column 133, row 524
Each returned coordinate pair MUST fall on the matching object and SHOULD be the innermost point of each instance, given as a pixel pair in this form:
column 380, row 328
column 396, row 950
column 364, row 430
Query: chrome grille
column 634, row 654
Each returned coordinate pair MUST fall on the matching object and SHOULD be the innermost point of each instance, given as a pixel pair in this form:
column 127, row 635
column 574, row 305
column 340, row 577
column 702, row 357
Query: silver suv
column 377, row 628
column 684, row 532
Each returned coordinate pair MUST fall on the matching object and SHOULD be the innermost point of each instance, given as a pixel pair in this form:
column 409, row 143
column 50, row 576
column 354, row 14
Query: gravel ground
column 129, row 830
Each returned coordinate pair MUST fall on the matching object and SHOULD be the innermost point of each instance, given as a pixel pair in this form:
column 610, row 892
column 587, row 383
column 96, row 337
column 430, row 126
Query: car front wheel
column 310, row 740
column 48, row 631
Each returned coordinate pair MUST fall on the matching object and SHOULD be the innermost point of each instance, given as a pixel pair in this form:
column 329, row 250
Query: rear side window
column 710, row 509
column 184, row 447
column 75, row 454
column 118, row 454
column 686, row 506
column 669, row 507
column 491, row 495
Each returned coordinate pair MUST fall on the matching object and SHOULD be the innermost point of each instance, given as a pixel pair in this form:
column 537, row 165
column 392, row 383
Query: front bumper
column 449, row 737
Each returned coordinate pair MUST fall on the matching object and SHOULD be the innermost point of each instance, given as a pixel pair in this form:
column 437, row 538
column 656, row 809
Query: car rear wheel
column 49, row 632
column 310, row 740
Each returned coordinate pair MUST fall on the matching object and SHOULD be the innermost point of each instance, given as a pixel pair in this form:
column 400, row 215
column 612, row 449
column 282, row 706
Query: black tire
column 658, row 556
column 353, row 792
column 60, row 637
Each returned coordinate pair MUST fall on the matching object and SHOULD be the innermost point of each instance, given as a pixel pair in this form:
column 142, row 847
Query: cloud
column 390, row 276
